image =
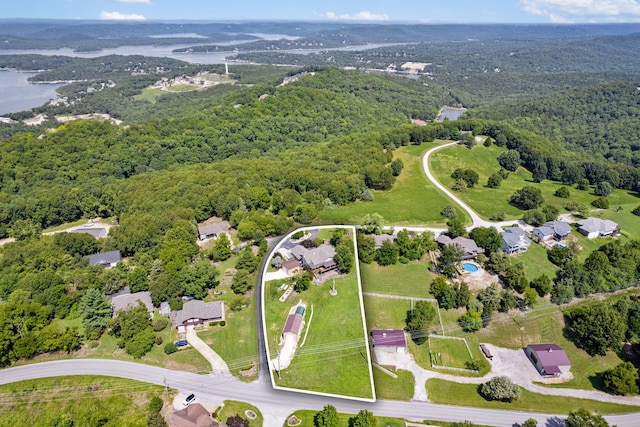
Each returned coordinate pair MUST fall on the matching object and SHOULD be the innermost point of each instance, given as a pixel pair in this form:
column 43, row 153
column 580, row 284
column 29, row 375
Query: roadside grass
column 412, row 279
column 385, row 313
column 78, row 400
column 66, row 226
column 446, row 392
column 387, row 387
column 306, row 418
column 535, row 262
column 336, row 324
column 489, row 201
column 232, row 407
column 149, row 94
column 413, row 200
column 450, row 352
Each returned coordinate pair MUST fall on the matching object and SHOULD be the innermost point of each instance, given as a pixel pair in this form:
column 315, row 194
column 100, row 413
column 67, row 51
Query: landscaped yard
column 535, row 262
column 412, row 279
column 387, row 387
column 413, row 200
column 489, row 201
column 446, row 392
column 232, row 407
column 334, row 358
column 451, row 353
column 386, row 313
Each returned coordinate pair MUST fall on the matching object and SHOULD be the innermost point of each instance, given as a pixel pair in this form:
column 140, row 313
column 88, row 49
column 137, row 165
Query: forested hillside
column 602, row 119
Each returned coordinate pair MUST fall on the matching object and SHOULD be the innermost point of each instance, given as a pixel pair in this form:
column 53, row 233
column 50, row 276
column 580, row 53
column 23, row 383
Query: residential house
column 196, row 312
column 125, row 298
column 549, row 359
column 592, row 228
column 97, row 232
column 292, row 267
column 381, row 238
column 105, row 259
column 317, row 260
column 194, row 415
column 212, row 230
column 552, row 230
column 514, row 241
column 470, row 249
column 389, row 338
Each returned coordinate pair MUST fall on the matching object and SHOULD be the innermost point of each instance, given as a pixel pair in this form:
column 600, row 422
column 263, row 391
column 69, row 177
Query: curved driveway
column 476, row 220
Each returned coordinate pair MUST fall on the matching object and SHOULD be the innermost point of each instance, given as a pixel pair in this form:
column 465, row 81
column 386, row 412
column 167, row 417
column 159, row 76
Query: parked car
column 187, row 298
column 189, row 399
column 181, row 343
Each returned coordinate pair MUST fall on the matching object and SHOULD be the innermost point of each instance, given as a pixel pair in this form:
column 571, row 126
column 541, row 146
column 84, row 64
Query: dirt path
column 217, row 364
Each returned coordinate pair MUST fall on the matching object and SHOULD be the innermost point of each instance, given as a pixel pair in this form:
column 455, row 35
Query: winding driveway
column 476, row 220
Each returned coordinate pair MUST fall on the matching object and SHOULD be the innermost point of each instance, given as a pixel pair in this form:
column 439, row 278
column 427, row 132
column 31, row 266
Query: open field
column 306, row 417
column 412, row 279
column 385, row 313
column 334, row 358
column 450, row 353
column 149, row 94
column 451, row 393
column 387, row 387
column 413, row 200
column 96, row 401
column 233, row 407
column 535, row 262
column 489, row 201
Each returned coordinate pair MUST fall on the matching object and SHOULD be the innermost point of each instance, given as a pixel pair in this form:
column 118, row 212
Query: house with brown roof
column 389, row 338
column 291, row 267
column 317, row 260
column 196, row 312
column 470, row 250
column 194, row 415
column 549, row 359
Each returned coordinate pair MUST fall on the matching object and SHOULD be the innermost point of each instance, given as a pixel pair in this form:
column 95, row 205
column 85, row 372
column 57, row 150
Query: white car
column 189, row 399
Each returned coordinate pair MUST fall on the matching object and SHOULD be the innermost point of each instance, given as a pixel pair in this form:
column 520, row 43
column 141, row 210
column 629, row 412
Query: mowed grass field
column 412, row 279
column 489, row 201
column 451, row 353
column 77, row 400
column 413, row 200
column 306, row 418
column 387, row 387
column 441, row 391
column 334, row 358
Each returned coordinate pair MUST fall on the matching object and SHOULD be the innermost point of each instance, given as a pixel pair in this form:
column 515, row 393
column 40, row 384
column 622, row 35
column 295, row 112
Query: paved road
column 276, row 404
column 476, row 220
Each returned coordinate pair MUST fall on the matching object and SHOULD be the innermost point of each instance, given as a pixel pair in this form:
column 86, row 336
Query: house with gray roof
column 592, row 228
column 381, row 238
column 549, row 359
column 105, row 259
column 196, row 312
column 470, row 250
column 97, row 232
column 317, row 260
column 207, row 231
column 125, row 299
column 550, row 230
column 514, row 241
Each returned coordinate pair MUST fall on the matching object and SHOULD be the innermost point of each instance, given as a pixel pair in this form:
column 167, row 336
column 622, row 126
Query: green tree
column 344, row 255
column 396, row 167
column 487, row 238
column 449, row 211
column 221, row 250
column 25, row 229
column 501, row 388
column 450, row 256
column 527, row 197
column 530, row 422
column 95, row 310
column 562, row 192
column 542, row 284
column 363, row 418
column 372, row 223
column 419, row 319
column 471, row 321
column 455, row 228
column 510, row 160
column 444, row 293
column 366, row 248
column 247, row 260
column 387, row 254
column 601, row 203
column 623, row 379
column 585, row 418
column 597, row 327
column 303, row 281
column 495, row 180
column 242, row 281
column 132, row 326
column 138, row 279
column 327, row 417
column 603, row 188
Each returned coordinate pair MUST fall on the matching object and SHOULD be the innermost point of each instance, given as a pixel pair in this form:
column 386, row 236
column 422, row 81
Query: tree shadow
column 555, row 422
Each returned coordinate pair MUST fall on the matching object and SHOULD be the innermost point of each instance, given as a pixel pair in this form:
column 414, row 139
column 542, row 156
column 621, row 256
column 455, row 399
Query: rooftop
column 124, row 300
column 388, row 338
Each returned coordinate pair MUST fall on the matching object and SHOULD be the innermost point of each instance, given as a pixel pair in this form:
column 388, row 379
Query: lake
column 16, row 94
column 448, row 113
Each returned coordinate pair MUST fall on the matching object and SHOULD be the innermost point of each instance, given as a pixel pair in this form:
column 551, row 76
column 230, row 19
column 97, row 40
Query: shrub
column 160, row 324
column 636, row 211
column 562, row 192
column 601, row 203
column 223, row 323
column 158, row 340
column 297, row 235
column 170, row 348
column 603, row 188
column 500, row 388
column 623, row 379
column 155, row 404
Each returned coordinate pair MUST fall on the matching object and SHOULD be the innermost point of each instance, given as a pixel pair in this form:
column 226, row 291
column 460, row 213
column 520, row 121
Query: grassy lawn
column 385, row 313
column 450, row 352
column 446, row 392
column 149, row 94
column 66, row 226
column 488, row 201
column 412, row 279
column 413, row 200
column 83, row 400
column 233, row 407
column 306, row 417
column 535, row 262
column 334, row 356
column 183, row 87
column 387, row 387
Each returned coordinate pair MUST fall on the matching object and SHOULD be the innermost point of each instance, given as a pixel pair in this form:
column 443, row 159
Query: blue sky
column 509, row 11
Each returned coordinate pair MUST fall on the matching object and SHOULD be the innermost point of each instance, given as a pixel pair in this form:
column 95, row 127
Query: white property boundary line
column 362, row 315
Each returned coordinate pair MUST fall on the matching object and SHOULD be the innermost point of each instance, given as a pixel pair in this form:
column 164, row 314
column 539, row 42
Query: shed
column 393, row 338
column 549, row 359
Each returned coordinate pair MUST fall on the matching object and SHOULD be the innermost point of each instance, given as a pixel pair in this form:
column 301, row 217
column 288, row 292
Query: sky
column 427, row 11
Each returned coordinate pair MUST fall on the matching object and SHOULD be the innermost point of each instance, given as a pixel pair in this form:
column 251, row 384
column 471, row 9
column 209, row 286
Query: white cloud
column 360, row 16
column 133, row 1
column 584, row 10
column 117, row 16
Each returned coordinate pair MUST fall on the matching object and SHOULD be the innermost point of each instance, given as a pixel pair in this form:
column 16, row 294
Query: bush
column 623, row 379
column 158, row 340
column 160, row 324
column 500, row 388
column 170, row 348
column 562, row 192
column 636, row 211
column 223, row 323
column 297, row 235
column 155, row 404
column 601, row 203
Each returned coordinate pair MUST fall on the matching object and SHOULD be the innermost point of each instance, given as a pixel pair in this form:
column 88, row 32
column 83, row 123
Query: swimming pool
column 469, row 267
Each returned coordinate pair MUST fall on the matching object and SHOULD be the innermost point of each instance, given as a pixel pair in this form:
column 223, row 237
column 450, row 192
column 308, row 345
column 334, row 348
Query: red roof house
column 393, row 338
column 549, row 359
